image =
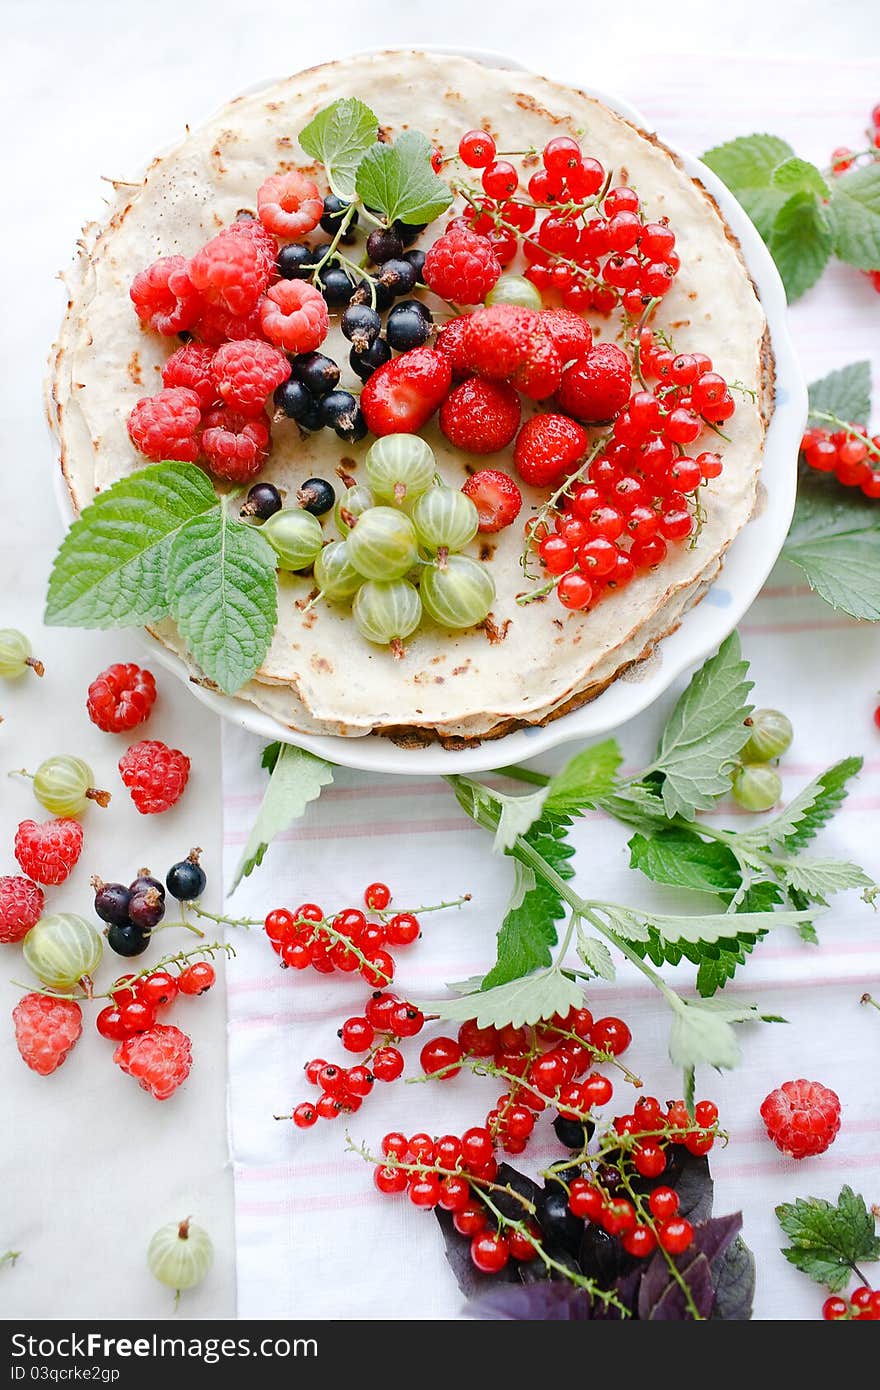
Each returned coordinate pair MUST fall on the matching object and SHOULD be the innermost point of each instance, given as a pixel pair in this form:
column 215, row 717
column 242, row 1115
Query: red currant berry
column 379, row 969
column 598, row 557
column 547, row 1073
column 663, row 1202
column 395, row 1145
column 656, row 241
column 110, row 1025
column 159, row 989
column 544, row 187
column 406, row 1020
column 279, row 924
column 197, row 978
column 500, row 179
column 420, row 1148
column 675, row 1235
column 519, row 1122
column 476, row 1147
column 360, row 1081
column 386, row 1064
column 379, row 1008
column 556, row 554
column 834, row 1309
column 332, row 1078
column 305, row 1115
column 656, row 279
column 447, row 1151
column 136, row 1016
column 574, row 591
column 597, row 1089
column 342, row 958
column 441, row 1055
column 710, row 464
column 308, row 912
column 296, row 954
column 585, row 1200
column 377, row 896
column 560, row 155
column 329, row 1107
column 403, row 929
column 313, row 1070
column 618, row 1217
column 519, row 215
column 476, row 149
column 470, row 1219
column 861, row 1297
column 455, row 1194
column 648, row 554
column 523, row 1244
column 706, row 1113
column 357, row 1035
column 649, row 1159
column 476, row 1041
column 585, row 178
column 610, row 1035
column 510, row 1039
column 640, row 1241
column 682, row 426
column 699, row 1141
column 390, row 1180
column 676, row 524
column 424, row 1190
column 489, row 1252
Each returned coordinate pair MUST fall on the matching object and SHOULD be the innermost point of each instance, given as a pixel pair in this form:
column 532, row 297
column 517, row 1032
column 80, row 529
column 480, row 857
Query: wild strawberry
column 540, row 374
column 401, row 396
column 154, row 774
column 159, row 1059
column 801, row 1117
column 165, row 426
column 190, row 366
column 289, row 205
column 462, row 267
column 294, row 316
column 21, row 907
column 596, row 386
column 48, row 853
column 46, row 1030
column 230, row 271
column 496, row 497
column 572, row 336
column 480, row 417
column 164, row 296
column 548, row 447
column 496, row 341
column 236, row 446
column 121, row 697
column 246, row 373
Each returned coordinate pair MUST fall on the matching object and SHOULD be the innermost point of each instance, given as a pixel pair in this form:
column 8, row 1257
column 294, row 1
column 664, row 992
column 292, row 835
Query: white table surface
column 91, row 1164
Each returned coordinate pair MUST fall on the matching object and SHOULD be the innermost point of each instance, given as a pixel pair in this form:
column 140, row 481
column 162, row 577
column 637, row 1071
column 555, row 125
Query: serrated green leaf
column 525, row 1000
column 705, row 733
column 398, row 180
column 844, row 570
column 111, row 568
column 524, row 882
column 702, row 1032
column 800, row 243
column 223, row 595
column 845, row 393
column 587, row 777
column 517, row 815
column 635, row 923
column 806, row 813
column 717, row 961
column 829, row 1240
column 817, row 877
column 685, row 861
column 339, row 136
column 799, row 176
column 854, row 215
column 747, row 165
column 595, row 955
column 529, row 928
column 297, row 778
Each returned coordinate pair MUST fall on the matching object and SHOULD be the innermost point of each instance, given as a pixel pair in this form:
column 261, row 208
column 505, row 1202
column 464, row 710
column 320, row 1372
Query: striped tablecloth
column 313, row 1236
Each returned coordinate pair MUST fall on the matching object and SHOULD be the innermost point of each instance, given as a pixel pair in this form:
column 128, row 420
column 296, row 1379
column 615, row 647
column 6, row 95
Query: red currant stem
column 544, row 511
column 187, row 926
column 870, row 153
column 340, row 233
column 869, row 999
column 543, row 589
column 180, row 959
column 647, row 1219
column 716, row 430
column 224, row 921
column 851, row 431
column 500, row 221
column 599, row 1057
column 481, row 1066
column 49, row 993
column 387, row 913
column 647, row 312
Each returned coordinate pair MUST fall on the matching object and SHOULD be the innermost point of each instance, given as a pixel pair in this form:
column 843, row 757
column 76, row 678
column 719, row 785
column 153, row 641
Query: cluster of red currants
column 135, row 1000
column 591, row 242
column 843, row 159
column 848, row 453
column 862, row 1305
column 348, row 941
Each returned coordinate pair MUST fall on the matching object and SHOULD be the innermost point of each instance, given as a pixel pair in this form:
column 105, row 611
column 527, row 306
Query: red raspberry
column 802, row 1118
column 495, row 496
column 215, row 325
column 462, row 267
column 549, row 446
column 165, row 297
column 230, row 270
column 401, row 396
column 21, row 907
column 539, row 376
column 46, row 1030
column 480, row 417
column 235, row 446
column 190, row 366
column 449, row 340
column 289, row 204
column 572, row 335
column 597, row 386
column 252, row 229
column 247, row 372
column 121, row 697
column 164, row 426
column 160, row 1059
column 294, row 316
column 154, row 774
column 49, row 853
column 496, row 341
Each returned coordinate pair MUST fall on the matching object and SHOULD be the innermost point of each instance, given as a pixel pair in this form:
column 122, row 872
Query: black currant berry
column 293, row 398
column 146, row 909
column 573, row 1134
column 316, row 496
column 317, row 372
column 334, row 208
column 557, row 1221
column 417, row 261
column 297, row 261
column 365, row 363
column 127, row 939
column 398, row 277
column 341, row 410
column 144, row 881
column 409, row 325
column 263, row 500
column 361, row 325
column 111, row 901
column 373, row 293
column 408, row 231
column 187, row 879
column 384, row 245
column 335, row 285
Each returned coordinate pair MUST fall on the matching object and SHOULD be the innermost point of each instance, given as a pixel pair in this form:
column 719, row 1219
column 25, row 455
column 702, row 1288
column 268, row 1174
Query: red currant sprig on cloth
column 848, row 452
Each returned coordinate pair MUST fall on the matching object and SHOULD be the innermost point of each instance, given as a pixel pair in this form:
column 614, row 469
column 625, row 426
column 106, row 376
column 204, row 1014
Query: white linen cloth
column 314, row 1238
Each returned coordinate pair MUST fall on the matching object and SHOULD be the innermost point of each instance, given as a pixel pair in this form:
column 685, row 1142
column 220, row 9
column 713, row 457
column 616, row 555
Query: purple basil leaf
column 661, row 1297
column 713, row 1237
column 734, row 1275
column 694, row 1186
column 548, row 1302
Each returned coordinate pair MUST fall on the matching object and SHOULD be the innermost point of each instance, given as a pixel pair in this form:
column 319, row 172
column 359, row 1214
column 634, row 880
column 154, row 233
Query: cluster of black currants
column 316, row 496
column 312, row 398
column 132, row 913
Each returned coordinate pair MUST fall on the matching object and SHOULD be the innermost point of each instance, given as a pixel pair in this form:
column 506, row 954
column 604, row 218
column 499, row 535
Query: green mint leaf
column 339, row 136
column 854, row 214
column 479, row 802
column 111, row 568
column 702, row 1032
column 824, row 509
column 223, row 595
column 717, row 961
column 297, row 778
column 800, row 243
column 844, row 570
column 806, row 813
column 700, row 927
column 270, row 755
column 798, row 176
column 817, row 877
column 684, row 860
column 399, row 181
column 705, row 733
column 827, row 1239
column 521, row 1001
column 587, row 777
column 747, row 165
column 845, row 393
column 638, row 804
column 595, row 955
column 517, row 815
column 529, row 927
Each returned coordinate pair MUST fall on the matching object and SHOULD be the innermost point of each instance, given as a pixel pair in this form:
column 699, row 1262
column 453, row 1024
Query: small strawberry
column 596, row 387
column 480, row 417
column 541, row 372
column 496, row 497
column 46, row 1030
column 449, row 340
column 401, row 396
column 159, row 1059
column 572, row 335
column 548, row 447
column 48, row 853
